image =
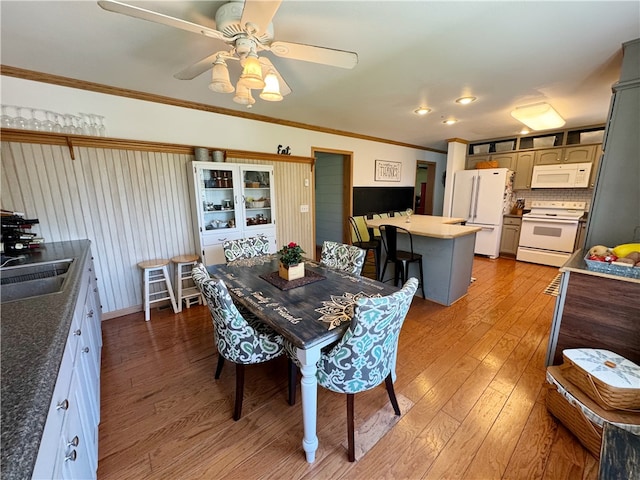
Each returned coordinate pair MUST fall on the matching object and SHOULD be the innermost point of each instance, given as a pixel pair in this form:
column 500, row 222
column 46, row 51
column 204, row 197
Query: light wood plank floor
column 474, row 372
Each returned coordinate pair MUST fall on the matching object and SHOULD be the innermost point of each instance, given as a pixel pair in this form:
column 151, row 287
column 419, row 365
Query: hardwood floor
column 474, row 372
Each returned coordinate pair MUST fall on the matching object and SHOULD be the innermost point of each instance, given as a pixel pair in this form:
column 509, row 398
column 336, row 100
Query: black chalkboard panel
column 381, row 199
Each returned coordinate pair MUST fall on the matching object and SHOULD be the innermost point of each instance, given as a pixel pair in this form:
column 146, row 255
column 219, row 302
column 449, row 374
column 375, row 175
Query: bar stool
column 155, row 271
column 189, row 293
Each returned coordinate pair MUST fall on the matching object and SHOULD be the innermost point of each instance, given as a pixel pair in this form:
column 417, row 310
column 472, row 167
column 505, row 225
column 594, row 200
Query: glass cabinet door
column 218, row 198
column 257, row 195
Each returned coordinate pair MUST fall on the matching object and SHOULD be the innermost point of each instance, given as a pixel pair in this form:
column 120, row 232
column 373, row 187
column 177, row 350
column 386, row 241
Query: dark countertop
column 33, row 334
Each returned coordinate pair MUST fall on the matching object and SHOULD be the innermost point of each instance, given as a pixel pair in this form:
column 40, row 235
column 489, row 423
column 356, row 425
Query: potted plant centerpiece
column 291, row 265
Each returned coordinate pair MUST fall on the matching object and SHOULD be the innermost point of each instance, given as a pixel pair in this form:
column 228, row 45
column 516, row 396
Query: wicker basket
column 589, row 434
column 601, row 362
column 581, row 415
column 487, row 164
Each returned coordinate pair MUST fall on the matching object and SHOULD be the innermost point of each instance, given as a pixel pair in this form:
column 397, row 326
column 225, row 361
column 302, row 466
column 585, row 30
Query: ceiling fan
column 246, row 29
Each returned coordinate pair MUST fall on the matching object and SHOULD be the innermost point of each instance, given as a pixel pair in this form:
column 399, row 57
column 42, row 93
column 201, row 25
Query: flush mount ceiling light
column 450, row 121
column 422, row 111
column 465, row 100
column 539, row 116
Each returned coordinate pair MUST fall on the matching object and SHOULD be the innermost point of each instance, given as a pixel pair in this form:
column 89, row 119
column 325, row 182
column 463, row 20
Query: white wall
column 141, row 120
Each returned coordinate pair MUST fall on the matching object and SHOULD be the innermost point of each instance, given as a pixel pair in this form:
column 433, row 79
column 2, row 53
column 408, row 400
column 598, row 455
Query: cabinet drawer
column 512, row 221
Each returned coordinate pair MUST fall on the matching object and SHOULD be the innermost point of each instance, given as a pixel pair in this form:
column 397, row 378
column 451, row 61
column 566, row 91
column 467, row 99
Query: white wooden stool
column 156, row 272
column 185, row 289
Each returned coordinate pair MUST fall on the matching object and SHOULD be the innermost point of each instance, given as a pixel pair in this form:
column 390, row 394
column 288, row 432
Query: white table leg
column 309, row 388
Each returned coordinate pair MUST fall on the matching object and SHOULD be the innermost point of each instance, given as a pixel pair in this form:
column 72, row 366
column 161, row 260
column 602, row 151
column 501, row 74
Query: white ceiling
column 507, row 54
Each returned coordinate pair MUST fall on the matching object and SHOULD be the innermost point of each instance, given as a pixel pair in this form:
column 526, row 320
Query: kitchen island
column 595, row 310
column 447, row 253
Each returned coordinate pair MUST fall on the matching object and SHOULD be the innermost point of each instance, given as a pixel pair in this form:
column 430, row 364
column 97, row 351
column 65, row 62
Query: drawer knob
column 75, row 441
column 78, row 332
column 90, row 314
column 85, row 349
column 71, row 456
column 63, row 405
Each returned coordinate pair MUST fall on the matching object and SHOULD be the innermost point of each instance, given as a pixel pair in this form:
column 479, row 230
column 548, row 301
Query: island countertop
column 427, row 225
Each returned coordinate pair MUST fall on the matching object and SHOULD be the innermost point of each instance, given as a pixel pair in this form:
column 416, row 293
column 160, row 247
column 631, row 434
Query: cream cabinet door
column 580, row 154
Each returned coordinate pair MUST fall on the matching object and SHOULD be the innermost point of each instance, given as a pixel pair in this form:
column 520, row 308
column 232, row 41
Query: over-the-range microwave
column 563, row 175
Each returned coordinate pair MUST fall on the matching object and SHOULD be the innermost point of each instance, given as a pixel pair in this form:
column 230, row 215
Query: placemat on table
column 277, row 281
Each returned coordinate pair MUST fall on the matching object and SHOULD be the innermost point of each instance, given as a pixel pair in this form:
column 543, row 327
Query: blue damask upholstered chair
column 240, row 340
column 346, row 258
column 365, row 356
column 245, row 248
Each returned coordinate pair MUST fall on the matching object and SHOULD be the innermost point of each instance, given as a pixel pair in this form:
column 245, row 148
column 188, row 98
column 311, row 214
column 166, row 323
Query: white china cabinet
column 230, row 201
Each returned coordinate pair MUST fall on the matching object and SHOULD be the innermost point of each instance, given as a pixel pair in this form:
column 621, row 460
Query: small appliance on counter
column 15, row 237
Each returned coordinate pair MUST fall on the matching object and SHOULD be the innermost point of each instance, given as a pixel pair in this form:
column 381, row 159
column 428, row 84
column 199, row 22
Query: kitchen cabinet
column 614, row 214
column 580, row 236
column 575, row 154
column 510, row 235
column 69, row 445
column 230, row 201
column 570, row 146
column 523, row 170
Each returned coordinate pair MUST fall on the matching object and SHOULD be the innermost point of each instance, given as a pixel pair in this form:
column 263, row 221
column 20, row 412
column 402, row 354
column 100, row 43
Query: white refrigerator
column 482, row 197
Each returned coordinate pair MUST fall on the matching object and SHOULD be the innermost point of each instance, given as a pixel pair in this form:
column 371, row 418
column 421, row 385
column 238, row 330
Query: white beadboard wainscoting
column 132, row 205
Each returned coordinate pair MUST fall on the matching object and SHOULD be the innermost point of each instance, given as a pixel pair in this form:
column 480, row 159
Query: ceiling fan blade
column 259, row 13
column 197, row 68
column 141, row 13
column 267, row 67
column 310, row 53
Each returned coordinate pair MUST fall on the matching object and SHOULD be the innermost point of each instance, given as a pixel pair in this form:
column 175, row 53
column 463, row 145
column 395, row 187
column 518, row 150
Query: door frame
column 347, row 189
column 431, row 180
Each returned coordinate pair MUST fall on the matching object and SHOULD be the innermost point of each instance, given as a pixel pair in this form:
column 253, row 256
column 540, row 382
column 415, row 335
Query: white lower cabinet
column 69, row 444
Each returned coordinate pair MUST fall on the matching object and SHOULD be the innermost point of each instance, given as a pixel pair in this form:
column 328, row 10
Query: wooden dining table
column 310, row 313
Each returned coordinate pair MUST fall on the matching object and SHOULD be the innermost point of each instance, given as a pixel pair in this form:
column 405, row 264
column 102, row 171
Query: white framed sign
column 387, row 171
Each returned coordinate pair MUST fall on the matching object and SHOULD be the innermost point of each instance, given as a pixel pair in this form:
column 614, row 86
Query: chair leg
column 237, row 412
column 350, row 430
column 293, row 380
column 421, row 280
column 219, row 367
column 392, row 394
column 384, row 269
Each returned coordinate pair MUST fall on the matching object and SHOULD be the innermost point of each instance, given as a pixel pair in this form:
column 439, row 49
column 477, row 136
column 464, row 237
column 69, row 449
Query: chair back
column 245, row 248
column 236, row 338
column 390, row 240
column 346, row 258
column 366, row 353
column 359, row 232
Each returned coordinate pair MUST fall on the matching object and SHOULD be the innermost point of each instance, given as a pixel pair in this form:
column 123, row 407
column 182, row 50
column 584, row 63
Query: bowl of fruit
column 623, row 260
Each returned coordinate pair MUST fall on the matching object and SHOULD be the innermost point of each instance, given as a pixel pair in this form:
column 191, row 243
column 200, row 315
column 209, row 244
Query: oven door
column 548, row 234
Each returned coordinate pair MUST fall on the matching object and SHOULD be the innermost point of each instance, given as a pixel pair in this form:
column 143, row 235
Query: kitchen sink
column 19, row 282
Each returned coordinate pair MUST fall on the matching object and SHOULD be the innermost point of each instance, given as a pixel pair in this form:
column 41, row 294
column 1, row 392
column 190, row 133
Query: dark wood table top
column 316, row 313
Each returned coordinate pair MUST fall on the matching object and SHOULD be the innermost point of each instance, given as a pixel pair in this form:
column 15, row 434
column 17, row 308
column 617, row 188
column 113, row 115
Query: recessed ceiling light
column 422, row 111
column 449, row 121
column 524, row 131
column 465, row 100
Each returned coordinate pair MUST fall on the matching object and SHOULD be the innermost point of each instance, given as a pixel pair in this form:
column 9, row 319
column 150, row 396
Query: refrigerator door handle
column 475, row 201
column 473, row 188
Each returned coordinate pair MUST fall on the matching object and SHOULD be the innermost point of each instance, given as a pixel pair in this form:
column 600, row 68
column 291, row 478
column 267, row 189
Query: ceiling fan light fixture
column 422, row 110
column 243, row 95
column 465, row 100
column 271, row 91
column 450, row 121
column 252, row 72
column 539, row 116
column 220, row 82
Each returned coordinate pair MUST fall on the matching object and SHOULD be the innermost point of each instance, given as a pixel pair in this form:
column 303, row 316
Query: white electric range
column 548, row 232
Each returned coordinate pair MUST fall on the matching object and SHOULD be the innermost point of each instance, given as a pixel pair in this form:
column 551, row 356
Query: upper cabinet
column 520, row 154
column 231, row 201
